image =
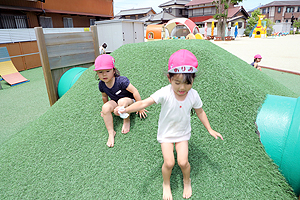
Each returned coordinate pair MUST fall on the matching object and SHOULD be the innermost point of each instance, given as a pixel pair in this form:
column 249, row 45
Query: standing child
column 174, row 125
column 257, row 59
column 120, row 91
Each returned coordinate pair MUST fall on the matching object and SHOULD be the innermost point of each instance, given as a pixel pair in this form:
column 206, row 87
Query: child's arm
column 104, row 97
column 203, row 118
column 139, row 105
column 137, row 97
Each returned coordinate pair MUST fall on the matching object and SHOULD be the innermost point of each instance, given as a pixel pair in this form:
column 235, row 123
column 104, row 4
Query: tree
column 269, row 25
column 221, row 15
column 297, row 24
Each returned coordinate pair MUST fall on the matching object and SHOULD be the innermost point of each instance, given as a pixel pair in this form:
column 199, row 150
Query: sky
column 130, row 4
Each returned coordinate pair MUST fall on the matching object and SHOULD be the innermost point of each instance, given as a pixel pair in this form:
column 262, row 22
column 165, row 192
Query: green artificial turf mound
column 63, row 154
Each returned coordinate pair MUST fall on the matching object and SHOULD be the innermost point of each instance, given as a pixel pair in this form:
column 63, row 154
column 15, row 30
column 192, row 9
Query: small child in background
column 120, row 91
column 102, row 48
column 174, row 125
column 257, row 59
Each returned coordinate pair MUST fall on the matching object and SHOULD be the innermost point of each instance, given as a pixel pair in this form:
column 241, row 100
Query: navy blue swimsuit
column 118, row 90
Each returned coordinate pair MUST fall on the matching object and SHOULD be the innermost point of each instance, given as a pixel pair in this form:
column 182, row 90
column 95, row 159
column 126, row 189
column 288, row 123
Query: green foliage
column 63, row 154
column 297, row 24
column 269, row 24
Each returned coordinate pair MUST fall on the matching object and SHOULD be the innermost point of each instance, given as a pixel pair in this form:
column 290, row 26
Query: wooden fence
column 61, row 51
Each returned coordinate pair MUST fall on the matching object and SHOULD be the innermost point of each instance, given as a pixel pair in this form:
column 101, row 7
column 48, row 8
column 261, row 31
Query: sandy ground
column 277, row 52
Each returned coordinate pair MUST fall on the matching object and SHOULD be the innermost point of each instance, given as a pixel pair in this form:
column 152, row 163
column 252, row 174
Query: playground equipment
column 212, row 28
column 236, row 29
column 157, row 32
column 279, row 126
column 68, row 79
column 205, row 30
column 259, row 30
column 8, row 70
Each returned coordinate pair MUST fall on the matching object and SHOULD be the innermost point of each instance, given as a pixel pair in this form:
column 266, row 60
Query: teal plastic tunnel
column 278, row 122
column 68, row 79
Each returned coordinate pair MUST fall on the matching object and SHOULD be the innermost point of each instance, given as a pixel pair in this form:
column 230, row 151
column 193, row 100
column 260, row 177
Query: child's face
column 106, row 75
column 179, row 87
column 258, row 59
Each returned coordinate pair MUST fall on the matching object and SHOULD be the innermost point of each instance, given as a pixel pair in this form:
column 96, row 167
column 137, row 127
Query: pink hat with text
column 183, row 61
column 104, row 61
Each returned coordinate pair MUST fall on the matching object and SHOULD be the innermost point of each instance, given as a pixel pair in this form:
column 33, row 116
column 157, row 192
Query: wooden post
column 46, row 65
column 95, row 40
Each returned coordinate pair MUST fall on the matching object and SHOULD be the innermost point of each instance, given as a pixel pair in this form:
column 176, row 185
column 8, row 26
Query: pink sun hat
column 104, row 61
column 257, row 56
column 183, row 61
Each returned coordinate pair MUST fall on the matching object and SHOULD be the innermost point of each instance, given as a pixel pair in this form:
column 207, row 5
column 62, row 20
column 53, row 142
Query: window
column 263, row 11
column 279, row 10
column 290, row 9
column 240, row 24
column 277, row 21
column 298, row 9
column 286, row 20
column 13, row 21
column 46, row 22
column 92, row 22
column 68, row 22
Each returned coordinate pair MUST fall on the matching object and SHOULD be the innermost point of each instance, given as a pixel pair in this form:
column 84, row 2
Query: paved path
column 281, row 53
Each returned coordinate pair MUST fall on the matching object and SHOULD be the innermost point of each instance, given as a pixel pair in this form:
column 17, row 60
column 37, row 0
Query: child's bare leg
column 182, row 149
column 107, row 109
column 169, row 161
column 126, row 122
column 126, row 125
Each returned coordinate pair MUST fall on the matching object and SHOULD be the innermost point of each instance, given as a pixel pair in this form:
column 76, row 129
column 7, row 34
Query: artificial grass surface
column 23, row 103
column 63, row 154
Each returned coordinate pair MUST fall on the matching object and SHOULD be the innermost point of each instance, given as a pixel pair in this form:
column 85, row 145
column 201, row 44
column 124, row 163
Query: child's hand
column 215, row 134
column 142, row 113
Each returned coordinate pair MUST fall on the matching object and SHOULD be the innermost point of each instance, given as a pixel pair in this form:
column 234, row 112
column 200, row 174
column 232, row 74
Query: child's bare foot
column 126, row 125
column 167, row 194
column 187, row 189
column 111, row 139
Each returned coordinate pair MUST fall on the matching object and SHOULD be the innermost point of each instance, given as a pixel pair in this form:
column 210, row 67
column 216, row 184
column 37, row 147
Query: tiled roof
column 282, row 3
column 162, row 16
column 174, row 2
column 134, row 11
column 201, row 18
column 198, row 2
column 233, row 11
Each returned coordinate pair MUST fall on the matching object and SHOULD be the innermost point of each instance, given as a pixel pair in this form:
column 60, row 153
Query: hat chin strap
column 183, row 69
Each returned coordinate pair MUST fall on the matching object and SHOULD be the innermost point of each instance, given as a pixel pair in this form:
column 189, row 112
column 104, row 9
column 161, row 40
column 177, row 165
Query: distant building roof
column 162, row 16
column 282, row 3
column 257, row 7
column 232, row 12
column 198, row 2
column 136, row 11
column 174, row 2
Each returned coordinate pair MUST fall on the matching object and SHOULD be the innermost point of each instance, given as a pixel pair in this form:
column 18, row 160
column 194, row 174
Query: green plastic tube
column 278, row 122
column 68, row 79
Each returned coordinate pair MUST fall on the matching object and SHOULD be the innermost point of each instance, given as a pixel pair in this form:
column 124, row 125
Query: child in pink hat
column 120, row 91
column 177, row 100
column 257, row 59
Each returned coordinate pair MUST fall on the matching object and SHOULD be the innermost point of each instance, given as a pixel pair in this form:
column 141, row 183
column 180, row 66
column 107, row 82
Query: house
column 176, row 8
column 16, row 14
column 201, row 11
column 159, row 18
column 281, row 11
column 135, row 13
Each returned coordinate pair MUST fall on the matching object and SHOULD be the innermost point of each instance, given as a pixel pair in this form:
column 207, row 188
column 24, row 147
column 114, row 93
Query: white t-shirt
column 175, row 116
